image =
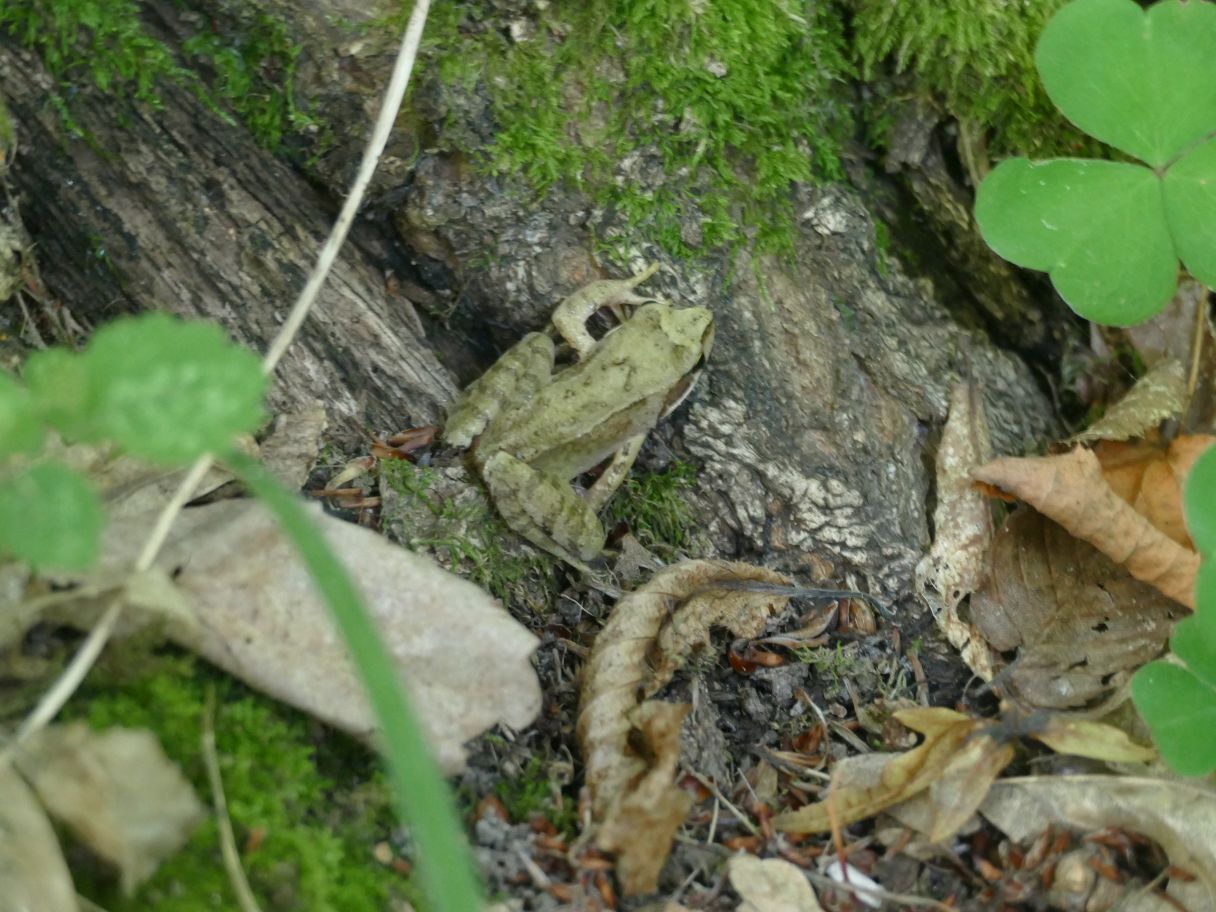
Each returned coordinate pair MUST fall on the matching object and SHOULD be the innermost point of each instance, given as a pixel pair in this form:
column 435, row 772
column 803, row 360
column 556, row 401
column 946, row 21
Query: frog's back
column 620, row 390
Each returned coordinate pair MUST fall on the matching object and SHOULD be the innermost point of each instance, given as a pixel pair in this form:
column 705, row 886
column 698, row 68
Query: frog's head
column 690, row 333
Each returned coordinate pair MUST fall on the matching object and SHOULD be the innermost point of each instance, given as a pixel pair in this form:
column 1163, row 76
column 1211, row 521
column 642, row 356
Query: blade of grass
column 423, row 798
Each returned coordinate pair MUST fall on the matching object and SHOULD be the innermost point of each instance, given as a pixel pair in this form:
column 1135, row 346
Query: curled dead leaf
column 650, row 633
column 956, row 563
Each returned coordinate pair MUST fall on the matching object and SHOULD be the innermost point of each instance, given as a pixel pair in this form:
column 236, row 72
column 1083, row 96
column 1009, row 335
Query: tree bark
column 174, row 209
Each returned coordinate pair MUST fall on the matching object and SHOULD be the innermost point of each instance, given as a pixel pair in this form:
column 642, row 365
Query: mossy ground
column 690, row 119
column 467, row 535
column 652, row 505
column 308, row 805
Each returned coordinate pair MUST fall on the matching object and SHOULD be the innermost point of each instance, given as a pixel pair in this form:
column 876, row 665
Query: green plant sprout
column 1111, row 233
column 1178, row 701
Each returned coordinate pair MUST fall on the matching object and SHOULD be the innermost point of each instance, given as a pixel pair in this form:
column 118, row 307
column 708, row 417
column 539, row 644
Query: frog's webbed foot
column 571, row 316
column 544, row 510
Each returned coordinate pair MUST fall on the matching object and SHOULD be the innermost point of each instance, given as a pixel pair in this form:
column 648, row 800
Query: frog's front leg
column 544, row 510
column 610, row 479
column 571, row 316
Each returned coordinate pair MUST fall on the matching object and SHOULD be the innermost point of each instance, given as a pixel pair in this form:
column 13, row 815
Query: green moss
column 652, row 505
column 93, row 42
column 254, row 63
column 718, row 106
column 977, row 56
column 247, row 66
column 318, row 805
column 534, row 792
column 469, row 535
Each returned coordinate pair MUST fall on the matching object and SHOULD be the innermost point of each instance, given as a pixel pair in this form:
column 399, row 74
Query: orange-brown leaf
column 1070, row 488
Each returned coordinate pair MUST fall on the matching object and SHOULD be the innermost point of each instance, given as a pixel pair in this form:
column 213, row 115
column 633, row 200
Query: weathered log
column 175, row 209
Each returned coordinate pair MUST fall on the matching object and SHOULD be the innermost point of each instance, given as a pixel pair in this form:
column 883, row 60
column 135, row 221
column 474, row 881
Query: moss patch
column 245, row 65
column 653, row 506
column 977, row 56
column 690, row 118
column 307, row 809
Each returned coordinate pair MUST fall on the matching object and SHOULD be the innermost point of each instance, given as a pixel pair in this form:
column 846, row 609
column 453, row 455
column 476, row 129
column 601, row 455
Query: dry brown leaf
column 1158, row 395
column 1180, row 816
column 116, row 790
column 960, row 788
column 770, row 885
column 962, row 522
column 1078, row 622
column 1070, row 489
column 650, row 632
column 464, row 661
column 1150, row 477
column 1096, row 740
column 903, row 776
column 937, row 786
column 641, row 822
column 33, row 875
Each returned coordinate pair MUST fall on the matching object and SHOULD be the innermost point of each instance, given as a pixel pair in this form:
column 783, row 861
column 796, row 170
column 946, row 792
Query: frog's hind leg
column 610, row 479
column 544, row 510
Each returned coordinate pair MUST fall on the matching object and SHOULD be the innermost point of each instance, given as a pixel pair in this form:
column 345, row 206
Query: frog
column 534, row 428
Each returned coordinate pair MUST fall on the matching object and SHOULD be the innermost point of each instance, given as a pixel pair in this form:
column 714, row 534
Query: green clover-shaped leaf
column 1143, row 81
column 1199, row 505
column 1111, row 234
column 51, row 517
column 1179, row 703
column 169, row 390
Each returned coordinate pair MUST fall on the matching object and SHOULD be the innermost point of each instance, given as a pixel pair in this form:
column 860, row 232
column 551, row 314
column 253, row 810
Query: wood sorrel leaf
column 1098, row 227
column 1143, row 81
column 1190, row 207
column 1181, row 713
column 1199, row 506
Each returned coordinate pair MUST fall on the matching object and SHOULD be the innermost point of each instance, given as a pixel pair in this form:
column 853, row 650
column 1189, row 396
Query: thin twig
column 823, row 880
column 717, row 793
column 50, row 704
column 232, row 859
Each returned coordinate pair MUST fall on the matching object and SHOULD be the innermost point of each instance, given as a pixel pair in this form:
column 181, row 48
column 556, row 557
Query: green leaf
column 51, row 517
column 1143, row 81
column 1194, row 639
column 170, row 390
column 58, row 381
column 1199, row 506
column 1190, row 206
column 1181, row 713
column 1099, row 228
column 21, row 427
